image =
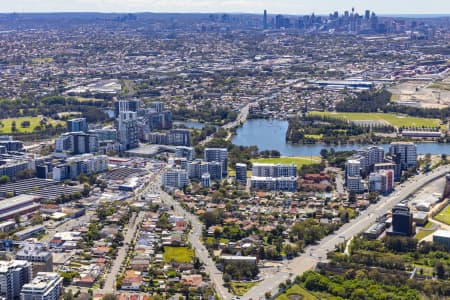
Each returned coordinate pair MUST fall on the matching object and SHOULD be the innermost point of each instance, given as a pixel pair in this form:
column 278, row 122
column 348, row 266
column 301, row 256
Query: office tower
column 126, row 106
column 127, row 130
column 206, row 180
column 104, row 134
column 367, row 15
column 77, row 143
column 38, row 255
column 219, row 155
column 265, row 20
column 371, row 155
column 185, row 152
column 405, row 154
column 241, row 174
column 402, row 220
column 45, row 286
column 157, row 106
column 13, row 275
column 77, row 125
column 175, row 178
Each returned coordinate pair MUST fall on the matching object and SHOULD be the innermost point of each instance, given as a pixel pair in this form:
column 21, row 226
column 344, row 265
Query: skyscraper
column 265, row 20
column 405, row 154
column 127, row 131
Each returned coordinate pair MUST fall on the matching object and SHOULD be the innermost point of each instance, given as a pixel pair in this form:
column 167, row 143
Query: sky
column 294, row 7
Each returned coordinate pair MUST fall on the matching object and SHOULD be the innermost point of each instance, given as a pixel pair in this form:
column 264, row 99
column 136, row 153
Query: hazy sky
column 252, row 6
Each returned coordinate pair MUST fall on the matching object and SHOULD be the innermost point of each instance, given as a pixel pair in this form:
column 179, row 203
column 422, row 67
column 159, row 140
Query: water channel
column 270, row 134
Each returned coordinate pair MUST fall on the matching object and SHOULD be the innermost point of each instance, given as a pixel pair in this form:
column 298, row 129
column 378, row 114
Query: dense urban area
column 224, row 156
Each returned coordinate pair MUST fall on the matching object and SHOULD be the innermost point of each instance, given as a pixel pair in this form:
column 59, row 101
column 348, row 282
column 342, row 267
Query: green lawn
column 314, row 136
column 297, row 160
column 178, row 254
column 394, row 120
column 240, row 288
column 444, row 215
column 296, row 290
column 423, row 234
column 6, row 124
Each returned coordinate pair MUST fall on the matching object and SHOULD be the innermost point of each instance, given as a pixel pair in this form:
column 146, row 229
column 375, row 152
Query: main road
column 242, row 116
column 316, row 253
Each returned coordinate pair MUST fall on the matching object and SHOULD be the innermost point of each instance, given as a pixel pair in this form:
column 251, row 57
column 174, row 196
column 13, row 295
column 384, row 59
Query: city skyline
column 227, row 6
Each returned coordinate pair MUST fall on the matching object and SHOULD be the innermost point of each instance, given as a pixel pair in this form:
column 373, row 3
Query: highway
column 315, row 253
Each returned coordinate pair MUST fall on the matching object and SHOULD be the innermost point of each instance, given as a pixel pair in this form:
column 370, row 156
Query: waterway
column 270, row 134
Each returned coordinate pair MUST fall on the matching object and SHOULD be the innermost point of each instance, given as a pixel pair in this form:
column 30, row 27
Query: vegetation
column 206, row 113
column 444, row 215
column 178, row 254
column 299, row 161
column 240, row 288
column 296, row 292
column 28, row 124
column 398, row 121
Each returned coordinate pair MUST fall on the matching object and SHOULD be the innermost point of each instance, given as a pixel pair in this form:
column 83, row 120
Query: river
column 270, row 134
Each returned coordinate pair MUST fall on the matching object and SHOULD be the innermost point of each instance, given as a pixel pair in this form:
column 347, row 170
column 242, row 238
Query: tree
column 86, row 190
column 110, row 297
column 4, row 179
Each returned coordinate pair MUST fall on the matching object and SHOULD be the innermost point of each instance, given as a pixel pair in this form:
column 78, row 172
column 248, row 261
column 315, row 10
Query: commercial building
column 402, row 221
column 38, row 255
column 19, row 205
column 29, row 232
column 45, row 286
column 218, row 155
column 14, row 274
column 241, row 174
column 104, row 134
column 175, row 178
column 442, row 237
column 77, row 125
column 12, row 145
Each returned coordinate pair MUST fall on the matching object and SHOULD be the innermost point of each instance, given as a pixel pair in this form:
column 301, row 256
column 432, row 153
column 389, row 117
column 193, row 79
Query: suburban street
column 195, row 239
column 110, row 278
column 315, row 253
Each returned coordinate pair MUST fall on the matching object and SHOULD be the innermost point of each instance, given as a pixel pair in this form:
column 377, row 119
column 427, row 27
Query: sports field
column 24, row 124
column 297, row 160
column 395, row 120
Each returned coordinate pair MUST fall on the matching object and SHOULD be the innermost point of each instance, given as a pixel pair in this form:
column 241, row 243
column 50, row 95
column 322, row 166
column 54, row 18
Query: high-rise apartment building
column 45, row 286
column 13, row 275
column 218, row 155
column 127, row 130
column 77, row 125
